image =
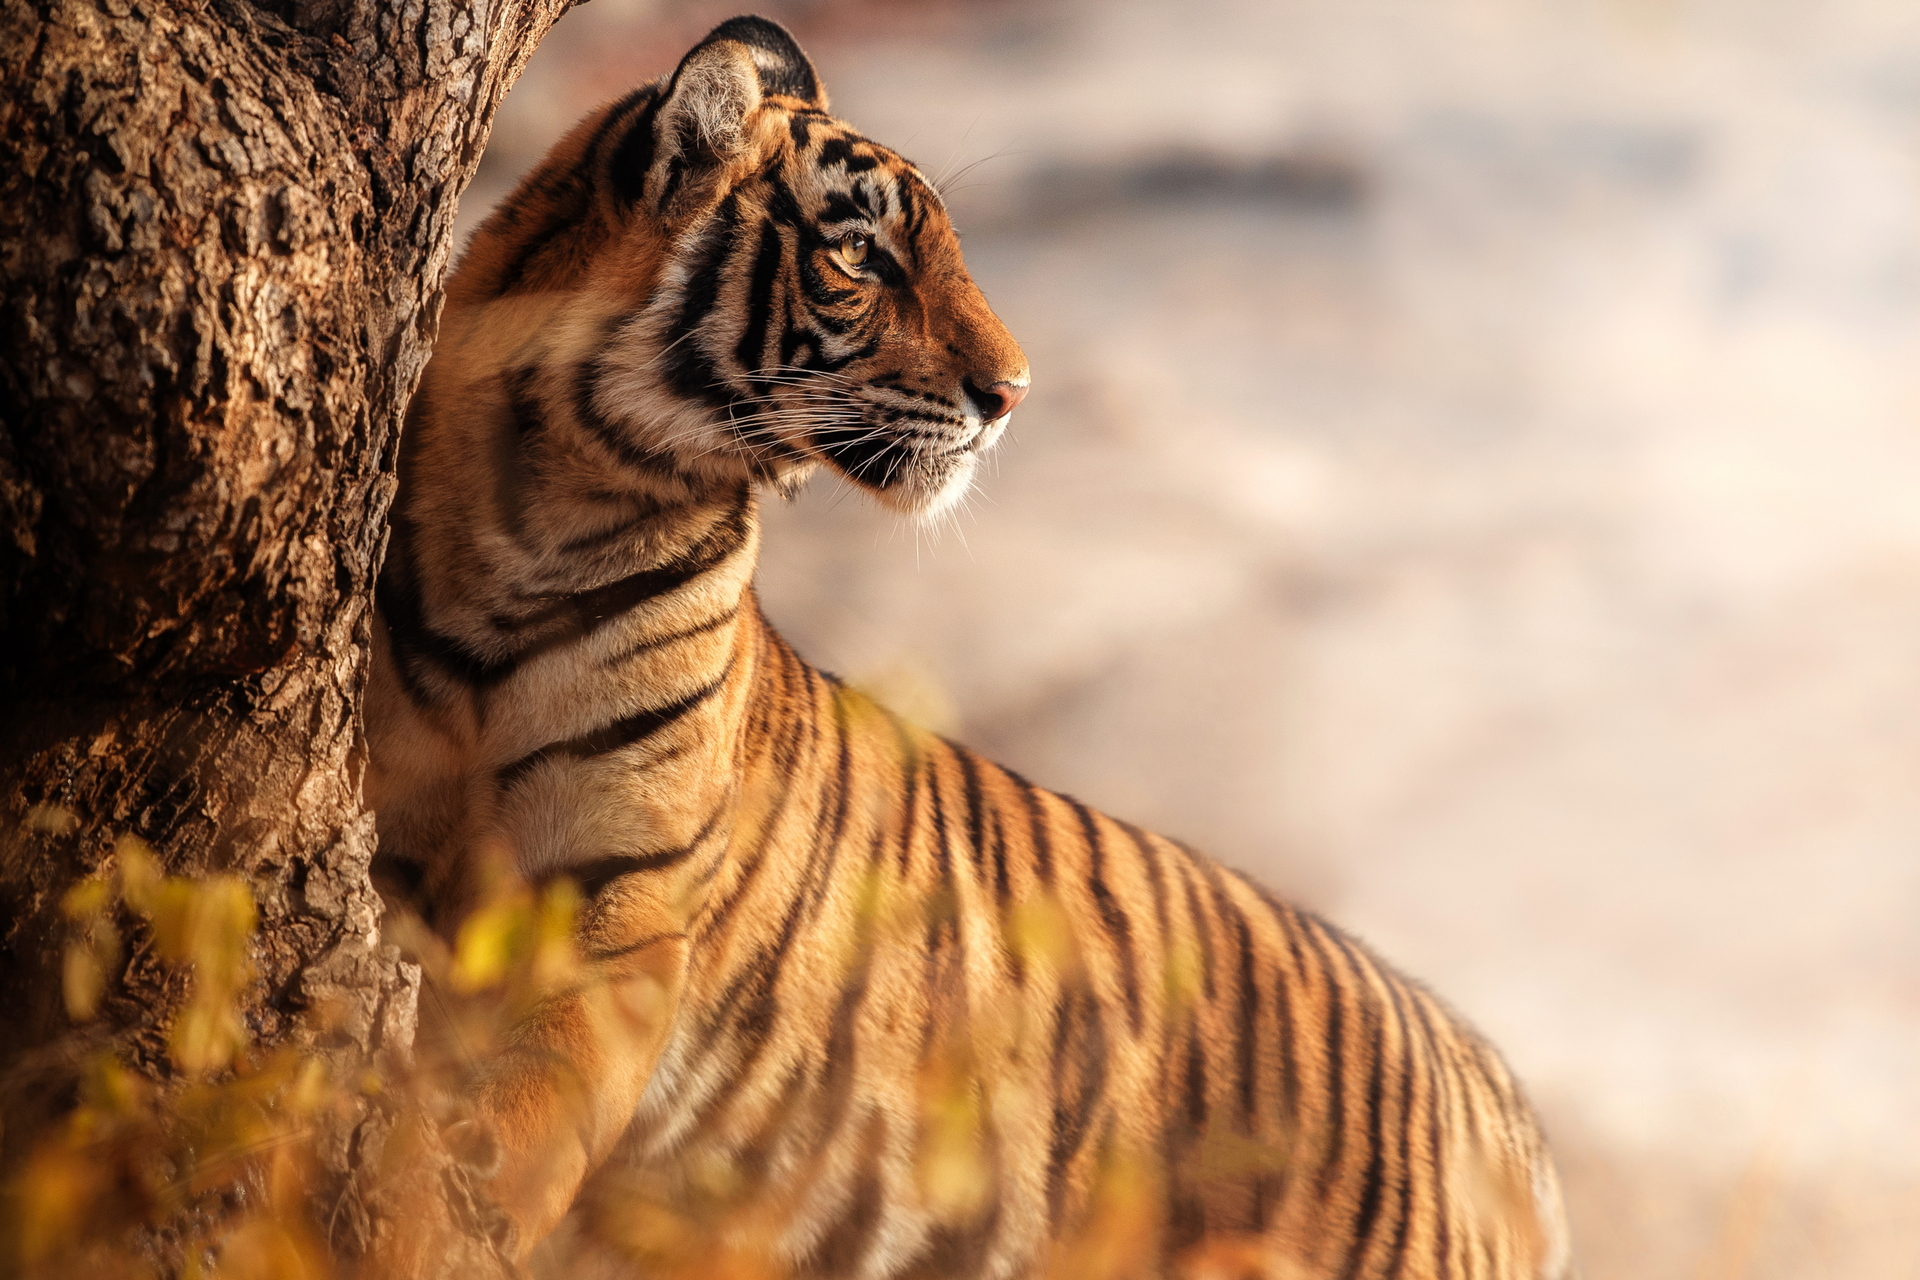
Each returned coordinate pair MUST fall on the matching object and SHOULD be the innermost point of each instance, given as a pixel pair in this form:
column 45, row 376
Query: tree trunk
column 225, row 228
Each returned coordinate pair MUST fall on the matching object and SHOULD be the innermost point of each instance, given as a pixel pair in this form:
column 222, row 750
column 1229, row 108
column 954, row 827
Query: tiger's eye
column 853, row 248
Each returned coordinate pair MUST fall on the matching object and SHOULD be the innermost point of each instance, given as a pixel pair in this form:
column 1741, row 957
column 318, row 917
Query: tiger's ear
column 701, row 125
column 777, row 59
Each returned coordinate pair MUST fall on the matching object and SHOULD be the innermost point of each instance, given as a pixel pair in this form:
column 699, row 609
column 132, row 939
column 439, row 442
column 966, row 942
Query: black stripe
column 1079, row 1057
column 946, row 942
column 976, row 834
column 795, row 337
column 1156, row 876
column 624, row 732
column 1373, row 1040
column 930, row 200
column 1285, row 920
column 841, row 1043
column 936, row 805
column 840, row 151
column 750, row 351
column 838, row 207
column 592, row 608
column 648, row 510
column 910, row 214
column 1247, row 1022
column 845, row 1243
column 1271, row 1186
column 525, row 419
column 820, row 362
column 396, row 594
column 1397, row 1254
column 910, row 784
column 658, row 642
column 780, row 203
column 752, row 990
column 1112, row 915
column 834, row 326
column 1196, row 1081
column 692, row 373
column 1440, row 1095
column 839, row 1058
column 1037, row 825
column 570, row 199
column 570, row 619
column 627, row 166
column 1247, row 1026
column 1335, row 1059
column 586, row 382
column 602, row 957
column 594, row 876
column 842, row 796
column 1002, row 884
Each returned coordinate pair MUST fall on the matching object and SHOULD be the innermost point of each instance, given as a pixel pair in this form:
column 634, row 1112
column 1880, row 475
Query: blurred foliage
column 206, row 1174
column 215, row 1170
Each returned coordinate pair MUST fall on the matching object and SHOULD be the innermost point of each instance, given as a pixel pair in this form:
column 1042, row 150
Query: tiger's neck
column 574, row 625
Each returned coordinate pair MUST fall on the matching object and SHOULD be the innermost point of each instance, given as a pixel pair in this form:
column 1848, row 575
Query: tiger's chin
column 914, row 483
column 922, row 491
column 923, row 487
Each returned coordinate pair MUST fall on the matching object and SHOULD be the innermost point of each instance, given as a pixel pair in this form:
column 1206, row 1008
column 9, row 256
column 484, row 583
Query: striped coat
column 862, row 1003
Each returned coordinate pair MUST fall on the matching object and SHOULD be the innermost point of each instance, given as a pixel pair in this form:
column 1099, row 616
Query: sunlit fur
column 900, row 1010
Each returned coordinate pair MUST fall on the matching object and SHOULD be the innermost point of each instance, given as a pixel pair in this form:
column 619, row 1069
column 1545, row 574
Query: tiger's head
column 754, row 290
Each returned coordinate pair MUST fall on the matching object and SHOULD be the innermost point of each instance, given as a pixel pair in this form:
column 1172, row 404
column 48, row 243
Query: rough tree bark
column 225, row 228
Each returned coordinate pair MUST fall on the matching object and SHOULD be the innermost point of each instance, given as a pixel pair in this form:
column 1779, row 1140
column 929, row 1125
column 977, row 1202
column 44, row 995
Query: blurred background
column 1472, row 481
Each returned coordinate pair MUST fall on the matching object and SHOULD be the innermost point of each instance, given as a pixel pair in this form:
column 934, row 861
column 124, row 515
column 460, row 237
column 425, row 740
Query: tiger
column 918, row 1015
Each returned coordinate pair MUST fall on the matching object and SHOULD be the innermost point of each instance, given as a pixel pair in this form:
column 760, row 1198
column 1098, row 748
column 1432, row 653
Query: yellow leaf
column 139, row 872
column 1183, row 976
column 221, row 923
column 170, row 907
column 555, row 960
column 81, row 981
column 1039, row 931
column 205, row 1036
column 310, row 1088
column 489, row 942
column 951, row 1163
column 87, row 899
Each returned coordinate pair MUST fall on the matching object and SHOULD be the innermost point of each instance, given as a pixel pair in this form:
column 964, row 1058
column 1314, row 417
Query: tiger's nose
column 997, row 400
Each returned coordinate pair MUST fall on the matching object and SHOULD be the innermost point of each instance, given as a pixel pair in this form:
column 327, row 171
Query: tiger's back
column 1143, row 1043
column 866, row 1003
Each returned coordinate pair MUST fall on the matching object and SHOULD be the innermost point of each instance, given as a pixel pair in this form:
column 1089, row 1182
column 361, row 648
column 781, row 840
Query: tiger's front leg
column 564, row 1082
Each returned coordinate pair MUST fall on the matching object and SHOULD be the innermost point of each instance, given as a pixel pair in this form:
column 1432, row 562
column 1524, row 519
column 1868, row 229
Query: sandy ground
column 1473, row 481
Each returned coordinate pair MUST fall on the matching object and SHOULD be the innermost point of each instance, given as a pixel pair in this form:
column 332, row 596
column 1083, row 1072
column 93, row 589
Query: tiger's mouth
column 915, row 462
column 915, row 465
